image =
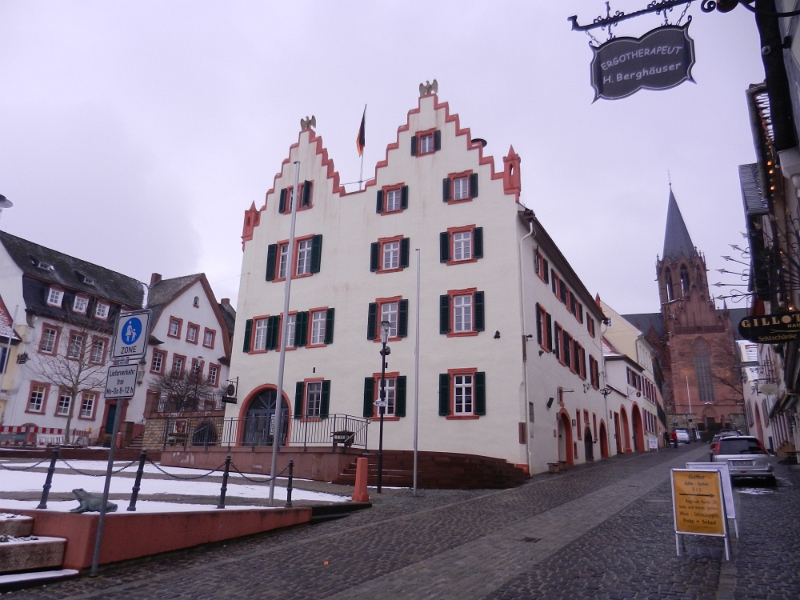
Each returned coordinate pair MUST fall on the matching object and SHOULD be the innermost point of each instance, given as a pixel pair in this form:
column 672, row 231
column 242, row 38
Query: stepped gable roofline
column 645, row 321
column 74, row 274
column 557, row 260
column 6, row 331
column 165, row 291
column 677, row 240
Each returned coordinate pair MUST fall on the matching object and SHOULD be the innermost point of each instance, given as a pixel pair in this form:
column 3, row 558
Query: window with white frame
column 393, row 198
column 64, row 401
column 313, row 398
column 36, row 400
column 213, row 374
column 389, row 313
column 426, row 143
column 101, row 310
column 318, row 327
column 260, row 342
column 391, row 255
column 304, row 257
column 75, row 347
column 288, row 334
column 460, row 188
column 174, row 328
column 177, row 365
column 462, row 394
column 80, row 304
column 87, row 405
column 208, row 338
column 283, row 261
column 98, row 352
column 158, row 362
column 54, row 297
column 389, row 390
column 49, row 337
column 191, row 333
column 462, row 313
column 462, row 245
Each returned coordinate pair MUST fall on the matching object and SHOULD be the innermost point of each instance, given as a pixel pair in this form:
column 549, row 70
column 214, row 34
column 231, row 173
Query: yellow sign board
column 697, row 502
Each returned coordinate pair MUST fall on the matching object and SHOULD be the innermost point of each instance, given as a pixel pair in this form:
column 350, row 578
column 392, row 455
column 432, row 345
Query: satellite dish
column 5, row 202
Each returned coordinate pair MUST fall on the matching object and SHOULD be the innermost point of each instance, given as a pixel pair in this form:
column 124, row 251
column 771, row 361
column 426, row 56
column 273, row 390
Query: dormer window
column 101, row 310
column 54, row 297
column 80, row 304
column 40, row 264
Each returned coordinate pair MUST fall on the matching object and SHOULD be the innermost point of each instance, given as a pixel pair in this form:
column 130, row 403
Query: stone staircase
column 438, row 470
column 26, row 559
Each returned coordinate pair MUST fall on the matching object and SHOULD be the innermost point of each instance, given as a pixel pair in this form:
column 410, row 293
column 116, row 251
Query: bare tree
column 187, row 390
column 76, row 365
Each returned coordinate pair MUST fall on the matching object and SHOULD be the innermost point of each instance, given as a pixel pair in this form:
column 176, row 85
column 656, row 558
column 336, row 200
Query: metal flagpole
column 278, row 416
column 416, row 381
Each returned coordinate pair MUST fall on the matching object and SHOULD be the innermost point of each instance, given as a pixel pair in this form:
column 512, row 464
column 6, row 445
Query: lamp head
column 385, row 327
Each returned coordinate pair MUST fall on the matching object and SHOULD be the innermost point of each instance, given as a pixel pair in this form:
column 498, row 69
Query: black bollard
column 49, row 480
column 137, row 484
column 224, row 483
column 289, row 485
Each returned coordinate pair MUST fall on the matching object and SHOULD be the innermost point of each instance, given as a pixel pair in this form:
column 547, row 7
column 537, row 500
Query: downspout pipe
column 531, row 234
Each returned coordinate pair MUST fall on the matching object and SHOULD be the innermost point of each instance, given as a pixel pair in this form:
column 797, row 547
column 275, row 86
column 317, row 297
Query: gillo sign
column 771, row 329
column 659, row 60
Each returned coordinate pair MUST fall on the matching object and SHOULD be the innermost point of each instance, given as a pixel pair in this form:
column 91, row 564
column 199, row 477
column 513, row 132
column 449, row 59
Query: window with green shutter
column 316, row 253
column 299, row 399
column 444, row 394
column 372, row 320
column 400, row 396
column 369, row 397
column 248, row 329
column 480, row 393
column 301, row 329
column 307, row 187
column 326, row 399
column 329, row 318
column 272, row 255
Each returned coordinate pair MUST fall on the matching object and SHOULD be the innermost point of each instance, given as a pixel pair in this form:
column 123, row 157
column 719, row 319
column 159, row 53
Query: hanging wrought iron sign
column 771, row 329
column 659, row 60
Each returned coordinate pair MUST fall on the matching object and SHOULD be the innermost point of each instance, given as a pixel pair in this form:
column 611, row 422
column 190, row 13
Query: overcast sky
column 134, row 134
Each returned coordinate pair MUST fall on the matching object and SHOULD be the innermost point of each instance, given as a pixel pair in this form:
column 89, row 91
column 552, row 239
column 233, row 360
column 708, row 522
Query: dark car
column 719, row 436
column 746, row 457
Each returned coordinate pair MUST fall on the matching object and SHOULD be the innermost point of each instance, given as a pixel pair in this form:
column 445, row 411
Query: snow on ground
column 26, row 481
column 142, row 506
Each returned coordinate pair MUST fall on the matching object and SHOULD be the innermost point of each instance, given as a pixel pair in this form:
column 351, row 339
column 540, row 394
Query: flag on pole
column 361, row 138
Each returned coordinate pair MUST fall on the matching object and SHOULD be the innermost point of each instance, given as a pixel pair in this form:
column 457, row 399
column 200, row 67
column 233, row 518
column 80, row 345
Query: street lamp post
column 385, row 351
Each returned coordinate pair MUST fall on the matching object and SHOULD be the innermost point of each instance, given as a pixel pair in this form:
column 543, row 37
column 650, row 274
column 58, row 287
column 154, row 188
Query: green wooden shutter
column 400, row 396
column 444, row 313
column 379, row 203
column 549, row 333
column 372, row 320
column 273, row 332
column 405, row 251
column 248, row 328
column 539, row 324
column 300, row 329
column 369, row 397
column 480, row 393
column 553, row 283
column 444, row 394
column 444, row 246
column 446, row 189
column 329, row 325
column 404, row 197
column 402, row 318
column 316, row 253
column 479, row 322
column 307, row 186
column 282, row 203
column 374, row 256
column 413, row 145
column 473, row 185
column 437, row 140
column 325, row 405
column 477, row 242
column 272, row 254
column 299, row 392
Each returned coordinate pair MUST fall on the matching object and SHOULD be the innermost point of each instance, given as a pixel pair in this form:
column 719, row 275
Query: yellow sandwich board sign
column 698, row 505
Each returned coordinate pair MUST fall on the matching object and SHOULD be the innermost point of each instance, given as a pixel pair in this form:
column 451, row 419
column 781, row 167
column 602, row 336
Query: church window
column 684, row 280
column 702, row 367
column 668, row 283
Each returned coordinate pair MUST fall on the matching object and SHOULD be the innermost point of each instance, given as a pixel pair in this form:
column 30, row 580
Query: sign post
column 131, row 334
column 698, row 507
column 727, row 487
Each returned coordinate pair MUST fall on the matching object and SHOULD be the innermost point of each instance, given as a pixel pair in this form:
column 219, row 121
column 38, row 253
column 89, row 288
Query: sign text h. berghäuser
column 659, row 60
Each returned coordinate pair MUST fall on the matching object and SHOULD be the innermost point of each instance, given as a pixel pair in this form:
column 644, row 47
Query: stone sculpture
column 89, row 503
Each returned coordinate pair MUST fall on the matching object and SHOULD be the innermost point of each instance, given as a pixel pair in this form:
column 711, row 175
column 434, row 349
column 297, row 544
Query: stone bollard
column 362, row 468
column 289, row 486
column 224, row 487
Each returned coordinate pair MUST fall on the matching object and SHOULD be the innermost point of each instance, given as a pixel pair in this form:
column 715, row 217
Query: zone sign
column 131, row 335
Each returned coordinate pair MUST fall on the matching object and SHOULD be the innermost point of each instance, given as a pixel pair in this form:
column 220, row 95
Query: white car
column 683, row 436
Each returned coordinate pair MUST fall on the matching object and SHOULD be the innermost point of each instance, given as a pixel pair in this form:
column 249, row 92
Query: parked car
column 746, row 457
column 683, row 436
column 718, row 437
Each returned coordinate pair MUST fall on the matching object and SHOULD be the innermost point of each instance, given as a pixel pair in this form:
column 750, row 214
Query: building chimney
column 225, row 302
column 155, row 278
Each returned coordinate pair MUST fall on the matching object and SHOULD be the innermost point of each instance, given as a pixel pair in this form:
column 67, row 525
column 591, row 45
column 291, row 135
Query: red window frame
column 287, row 210
column 253, row 349
column 419, row 135
column 183, row 363
column 196, row 327
column 377, row 394
column 578, row 425
column 108, row 310
column 307, row 419
column 55, row 343
column 542, row 323
column 452, row 177
column 213, row 333
column 391, row 188
column 292, row 259
column 105, row 341
column 389, row 240
column 560, row 343
column 163, row 355
column 453, row 293
column 180, row 327
column 62, row 392
column 380, row 302
column 453, row 230
column 94, row 406
column 590, row 325
column 45, row 397
column 311, row 313
column 82, row 335
column 453, row 416
column 219, row 372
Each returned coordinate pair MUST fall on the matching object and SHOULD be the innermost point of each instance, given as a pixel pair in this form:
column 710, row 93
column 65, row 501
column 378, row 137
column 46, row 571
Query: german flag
column 361, row 138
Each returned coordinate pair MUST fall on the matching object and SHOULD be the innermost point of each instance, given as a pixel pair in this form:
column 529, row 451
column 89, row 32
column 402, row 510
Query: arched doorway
column 205, row 434
column 258, row 426
column 564, row 439
column 638, row 429
column 588, row 444
column 617, row 433
column 603, row 440
column 625, row 432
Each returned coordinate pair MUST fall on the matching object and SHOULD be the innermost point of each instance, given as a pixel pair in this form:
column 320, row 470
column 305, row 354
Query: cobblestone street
column 602, row 530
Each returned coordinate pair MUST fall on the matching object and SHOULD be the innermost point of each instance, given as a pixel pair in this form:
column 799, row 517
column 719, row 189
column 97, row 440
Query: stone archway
column 565, row 439
column 625, row 432
column 256, row 427
column 603, row 440
column 638, row 429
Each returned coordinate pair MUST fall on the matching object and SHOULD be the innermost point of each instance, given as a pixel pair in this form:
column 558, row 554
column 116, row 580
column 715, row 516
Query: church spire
column 676, row 239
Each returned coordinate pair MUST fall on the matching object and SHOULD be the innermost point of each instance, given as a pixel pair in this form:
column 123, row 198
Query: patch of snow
column 142, row 506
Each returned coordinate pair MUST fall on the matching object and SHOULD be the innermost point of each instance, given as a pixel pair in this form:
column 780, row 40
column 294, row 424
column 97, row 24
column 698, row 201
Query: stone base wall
column 177, row 431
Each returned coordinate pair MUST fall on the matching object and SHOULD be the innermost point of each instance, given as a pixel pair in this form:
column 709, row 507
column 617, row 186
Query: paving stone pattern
column 601, row 530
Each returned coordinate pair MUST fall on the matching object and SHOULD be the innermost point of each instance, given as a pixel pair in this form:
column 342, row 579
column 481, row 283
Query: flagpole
column 361, row 172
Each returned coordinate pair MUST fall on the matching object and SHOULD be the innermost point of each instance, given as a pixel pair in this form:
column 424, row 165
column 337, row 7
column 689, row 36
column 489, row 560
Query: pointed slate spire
column 677, row 240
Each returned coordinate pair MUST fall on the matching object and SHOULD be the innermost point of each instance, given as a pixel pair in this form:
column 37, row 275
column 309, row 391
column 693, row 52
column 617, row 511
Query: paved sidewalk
column 597, row 531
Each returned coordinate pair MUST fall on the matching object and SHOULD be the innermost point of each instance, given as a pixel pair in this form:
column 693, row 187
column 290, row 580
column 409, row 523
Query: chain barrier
column 2, row 466
column 186, row 477
column 97, row 474
column 268, row 479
